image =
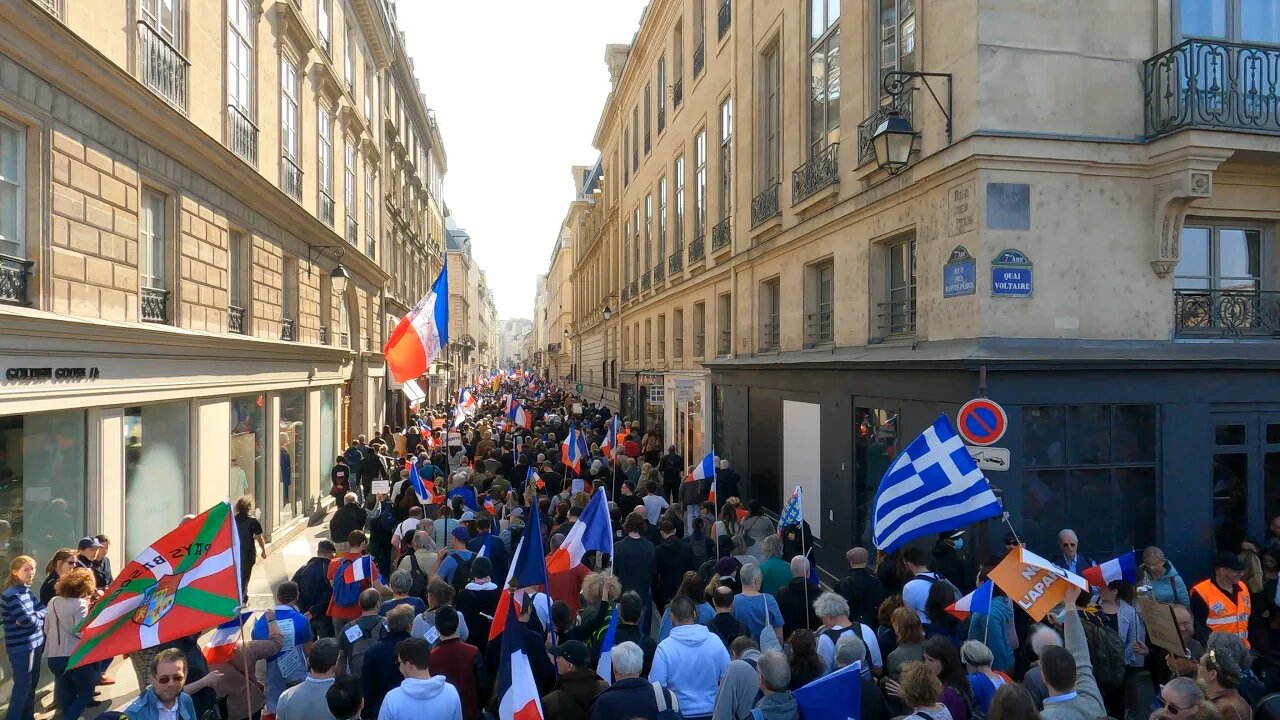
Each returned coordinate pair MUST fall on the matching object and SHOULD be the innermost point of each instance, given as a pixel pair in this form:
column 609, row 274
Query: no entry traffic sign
column 981, row 422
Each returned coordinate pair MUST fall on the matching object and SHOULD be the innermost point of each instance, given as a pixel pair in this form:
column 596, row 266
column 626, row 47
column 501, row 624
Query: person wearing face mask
column 947, row 561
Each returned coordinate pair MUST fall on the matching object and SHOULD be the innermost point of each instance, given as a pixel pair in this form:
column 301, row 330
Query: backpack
column 935, row 578
column 345, row 594
column 834, row 636
column 1106, row 652
column 387, row 518
column 461, row 572
column 372, row 630
column 419, row 587
column 668, row 705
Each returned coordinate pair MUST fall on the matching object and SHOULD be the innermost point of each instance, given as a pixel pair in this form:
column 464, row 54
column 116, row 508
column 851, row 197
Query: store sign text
column 19, row 374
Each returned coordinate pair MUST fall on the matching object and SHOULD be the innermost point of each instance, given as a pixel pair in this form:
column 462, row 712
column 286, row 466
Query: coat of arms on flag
column 157, row 600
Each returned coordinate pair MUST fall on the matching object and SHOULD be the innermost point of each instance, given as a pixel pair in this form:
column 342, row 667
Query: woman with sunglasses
column 63, row 562
column 1182, row 699
column 1220, row 674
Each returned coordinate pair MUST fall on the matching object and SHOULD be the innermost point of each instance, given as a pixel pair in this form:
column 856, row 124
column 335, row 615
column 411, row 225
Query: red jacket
column 631, row 449
column 567, row 586
column 463, row 668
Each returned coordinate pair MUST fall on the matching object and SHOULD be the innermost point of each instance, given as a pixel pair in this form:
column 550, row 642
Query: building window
column 324, row 24
column 662, row 220
column 896, row 23
column 1243, row 21
column 349, row 61
column 819, row 303
column 662, row 94
column 290, row 127
column 700, row 183
column 45, row 483
column 724, row 324
column 635, row 245
column 648, row 113
column 237, row 279
column 626, row 252
column 677, row 227
column 626, row 344
column 770, row 118
column 165, row 17
column 1219, row 283
column 635, row 339
column 324, row 162
column 240, row 71
column 662, row 337
column 648, row 339
column 699, row 35
column 677, row 333
column 648, row 233
column 677, row 65
column 898, row 311
column 770, row 312
column 824, row 74
column 157, row 453
column 726, row 158
column 370, row 87
column 626, row 167
column 699, row 329
column 13, row 182
column 368, row 205
column 151, row 243
column 635, row 139
column 1092, row 468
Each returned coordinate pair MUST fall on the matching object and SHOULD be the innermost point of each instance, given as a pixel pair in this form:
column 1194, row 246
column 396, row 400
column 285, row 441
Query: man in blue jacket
column 490, row 545
column 168, row 673
column 381, row 673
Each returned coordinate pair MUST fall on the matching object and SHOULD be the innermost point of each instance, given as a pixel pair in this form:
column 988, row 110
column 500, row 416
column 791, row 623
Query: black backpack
column 936, row 578
column 834, row 636
column 373, row 629
column 419, row 587
column 461, row 572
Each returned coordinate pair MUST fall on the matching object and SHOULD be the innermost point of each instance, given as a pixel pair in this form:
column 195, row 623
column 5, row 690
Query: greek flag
column 932, row 486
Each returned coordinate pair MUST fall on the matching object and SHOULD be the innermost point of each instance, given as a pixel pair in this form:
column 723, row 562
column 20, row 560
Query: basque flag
column 517, row 692
column 978, row 601
column 1123, row 568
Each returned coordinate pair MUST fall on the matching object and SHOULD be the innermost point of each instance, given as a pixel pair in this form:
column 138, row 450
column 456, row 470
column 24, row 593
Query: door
column 1245, row 475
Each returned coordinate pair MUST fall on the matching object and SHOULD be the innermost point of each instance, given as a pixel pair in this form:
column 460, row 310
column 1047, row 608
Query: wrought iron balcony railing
column 725, row 18
column 353, row 231
column 1207, row 83
column 698, row 248
column 644, row 280
column 897, row 317
column 53, row 7
column 867, row 128
column 659, row 272
column 326, row 208
column 162, row 67
column 626, row 293
column 324, row 334
column 765, row 205
column 698, row 60
column 722, row 235
column 1225, row 313
column 769, row 336
column 677, row 93
column 820, row 328
column 14, row 272
column 675, row 263
column 155, row 305
column 823, row 169
column 634, row 287
column 242, row 135
column 235, row 320
column 288, row 329
column 344, row 339
column 291, row 178
column 724, row 342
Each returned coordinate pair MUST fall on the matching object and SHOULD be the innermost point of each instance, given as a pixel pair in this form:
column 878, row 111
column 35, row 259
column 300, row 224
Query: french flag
column 574, row 449
column 593, row 531
column 978, row 601
column 604, row 666
column 425, row 496
column 533, row 477
column 359, row 570
column 705, row 470
column 1123, row 568
column 517, row 692
column 421, row 334
column 609, row 446
column 223, row 640
column 527, row 573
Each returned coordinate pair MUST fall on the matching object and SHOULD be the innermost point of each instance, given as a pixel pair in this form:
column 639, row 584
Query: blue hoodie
column 690, row 663
column 1170, row 588
column 431, row 698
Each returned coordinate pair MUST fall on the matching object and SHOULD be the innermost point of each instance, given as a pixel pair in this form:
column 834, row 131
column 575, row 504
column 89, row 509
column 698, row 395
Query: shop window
column 875, row 442
column 157, row 469
column 1091, row 468
column 248, row 445
column 293, row 453
column 42, row 483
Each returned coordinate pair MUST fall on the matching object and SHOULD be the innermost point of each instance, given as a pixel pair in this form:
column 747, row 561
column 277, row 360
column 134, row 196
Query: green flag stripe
column 207, row 602
column 90, row 643
column 207, row 535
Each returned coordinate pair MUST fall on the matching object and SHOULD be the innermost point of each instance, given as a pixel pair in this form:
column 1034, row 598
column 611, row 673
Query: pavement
column 283, row 558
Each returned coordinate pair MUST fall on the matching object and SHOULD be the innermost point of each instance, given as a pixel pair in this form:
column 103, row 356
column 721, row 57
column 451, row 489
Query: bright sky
column 517, row 87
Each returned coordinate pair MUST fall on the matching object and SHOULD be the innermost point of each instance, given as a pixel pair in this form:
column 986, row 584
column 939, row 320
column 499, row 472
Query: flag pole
column 244, row 657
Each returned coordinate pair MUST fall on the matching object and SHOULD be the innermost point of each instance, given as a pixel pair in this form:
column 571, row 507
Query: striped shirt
column 23, row 615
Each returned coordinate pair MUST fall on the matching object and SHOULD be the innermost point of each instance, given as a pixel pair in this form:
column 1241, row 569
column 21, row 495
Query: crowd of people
column 718, row 612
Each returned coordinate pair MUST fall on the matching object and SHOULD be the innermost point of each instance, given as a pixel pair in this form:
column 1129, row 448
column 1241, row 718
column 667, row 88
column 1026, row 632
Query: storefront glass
column 248, row 442
column 693, row 426
column 293, row 453
column 655, row 408
column 327, row 449
column 157, row 467
column 42, row 484
column 875, row 442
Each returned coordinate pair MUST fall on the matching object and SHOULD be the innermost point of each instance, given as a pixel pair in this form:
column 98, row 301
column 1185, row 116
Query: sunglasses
column 166, row 679
column 1168, row 705
column 1067, row 544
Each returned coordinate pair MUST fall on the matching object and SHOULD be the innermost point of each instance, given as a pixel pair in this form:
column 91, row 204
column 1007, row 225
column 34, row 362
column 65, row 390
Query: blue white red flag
column 978, row 601
column 706, row 469
column 421, row 334
column 425, row 496
column 593, row 531
column 528, row 572
column 609, row 445
column 518, row 697
column 361, row 569
column 604, row 666
column 574, row 448
column 224, row 638
column 1123, row 568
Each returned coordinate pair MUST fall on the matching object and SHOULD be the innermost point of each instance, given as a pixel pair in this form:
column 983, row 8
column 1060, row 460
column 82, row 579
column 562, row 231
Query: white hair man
column 833, row 611
column 775, row 676
column 630, row 695
column 1069, row 556
column 1042, row 636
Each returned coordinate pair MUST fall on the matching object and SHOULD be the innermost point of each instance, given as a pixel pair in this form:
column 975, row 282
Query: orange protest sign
column 1035, row 584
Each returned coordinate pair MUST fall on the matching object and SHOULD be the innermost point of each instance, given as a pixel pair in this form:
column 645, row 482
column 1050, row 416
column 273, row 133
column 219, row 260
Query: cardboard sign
column 381, row 487
column 1162, row 626
column 1033, row 583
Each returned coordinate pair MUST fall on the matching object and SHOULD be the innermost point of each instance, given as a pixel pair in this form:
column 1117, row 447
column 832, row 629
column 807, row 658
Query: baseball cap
column 467, row 516
column 1223, row 559
column 90, row 542
column 517, row 511
column 573, row 651
column 461, row 534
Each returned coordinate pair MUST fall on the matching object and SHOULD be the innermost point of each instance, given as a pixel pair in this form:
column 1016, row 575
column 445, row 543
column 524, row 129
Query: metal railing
column 155, row 305
column 242, row 135
column 725, row 17
column 344, row 339
column 353, row 231
column 769, row 336
column 677, row 93
column 324, row 334
column 326, row 207
column 162, row 67
column 645, row 280
column 634, row 288
column 722, row 235
column 699, row 344
column 699, row 59
column 626, row 293
column 698, row 248
column 675, row 263
column 724, row 342
column 659, row 272
column 1203, row 83
column 288, row 329
column 823, row 169
column 291, row 178
column 765, row 205
column 820, row 328
column 867, row 128
column 14, row 272
column 235, row 319
column 1225, row 313
column 897, row 317
column 53, row 7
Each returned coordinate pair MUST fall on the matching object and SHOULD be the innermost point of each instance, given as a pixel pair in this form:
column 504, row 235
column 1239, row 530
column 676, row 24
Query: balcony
column 324, row 334
column 677, row 93
column 1226, row 313
column 698, row 60
column 155, row 305
column 1211, row 84
column 698, row 248
column 235, row 320
column 867, row 128
column 765, row 205
column 291, row 178
column 769, row 336
column 722, row 235
column 242, row 135
column 288, row 329
column 725, row 18
column 344, row 339
column 13, row 280
column 822, row 170
column 326, row 208
column 675, row 263
column 659, row 272
column 53, row 7
column 897, row 317
column 634, row 288
column 626, row 293
column 644, row 281
column 353, row 231
column 161, row 67
column 819, row 328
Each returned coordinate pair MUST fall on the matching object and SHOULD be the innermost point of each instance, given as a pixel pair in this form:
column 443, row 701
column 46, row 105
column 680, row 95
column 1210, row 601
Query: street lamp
column 893, row 142
column 338, row 279
column 606, row 312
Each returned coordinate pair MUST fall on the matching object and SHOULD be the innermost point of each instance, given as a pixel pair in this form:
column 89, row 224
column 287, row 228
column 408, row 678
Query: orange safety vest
column 1224, row 615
